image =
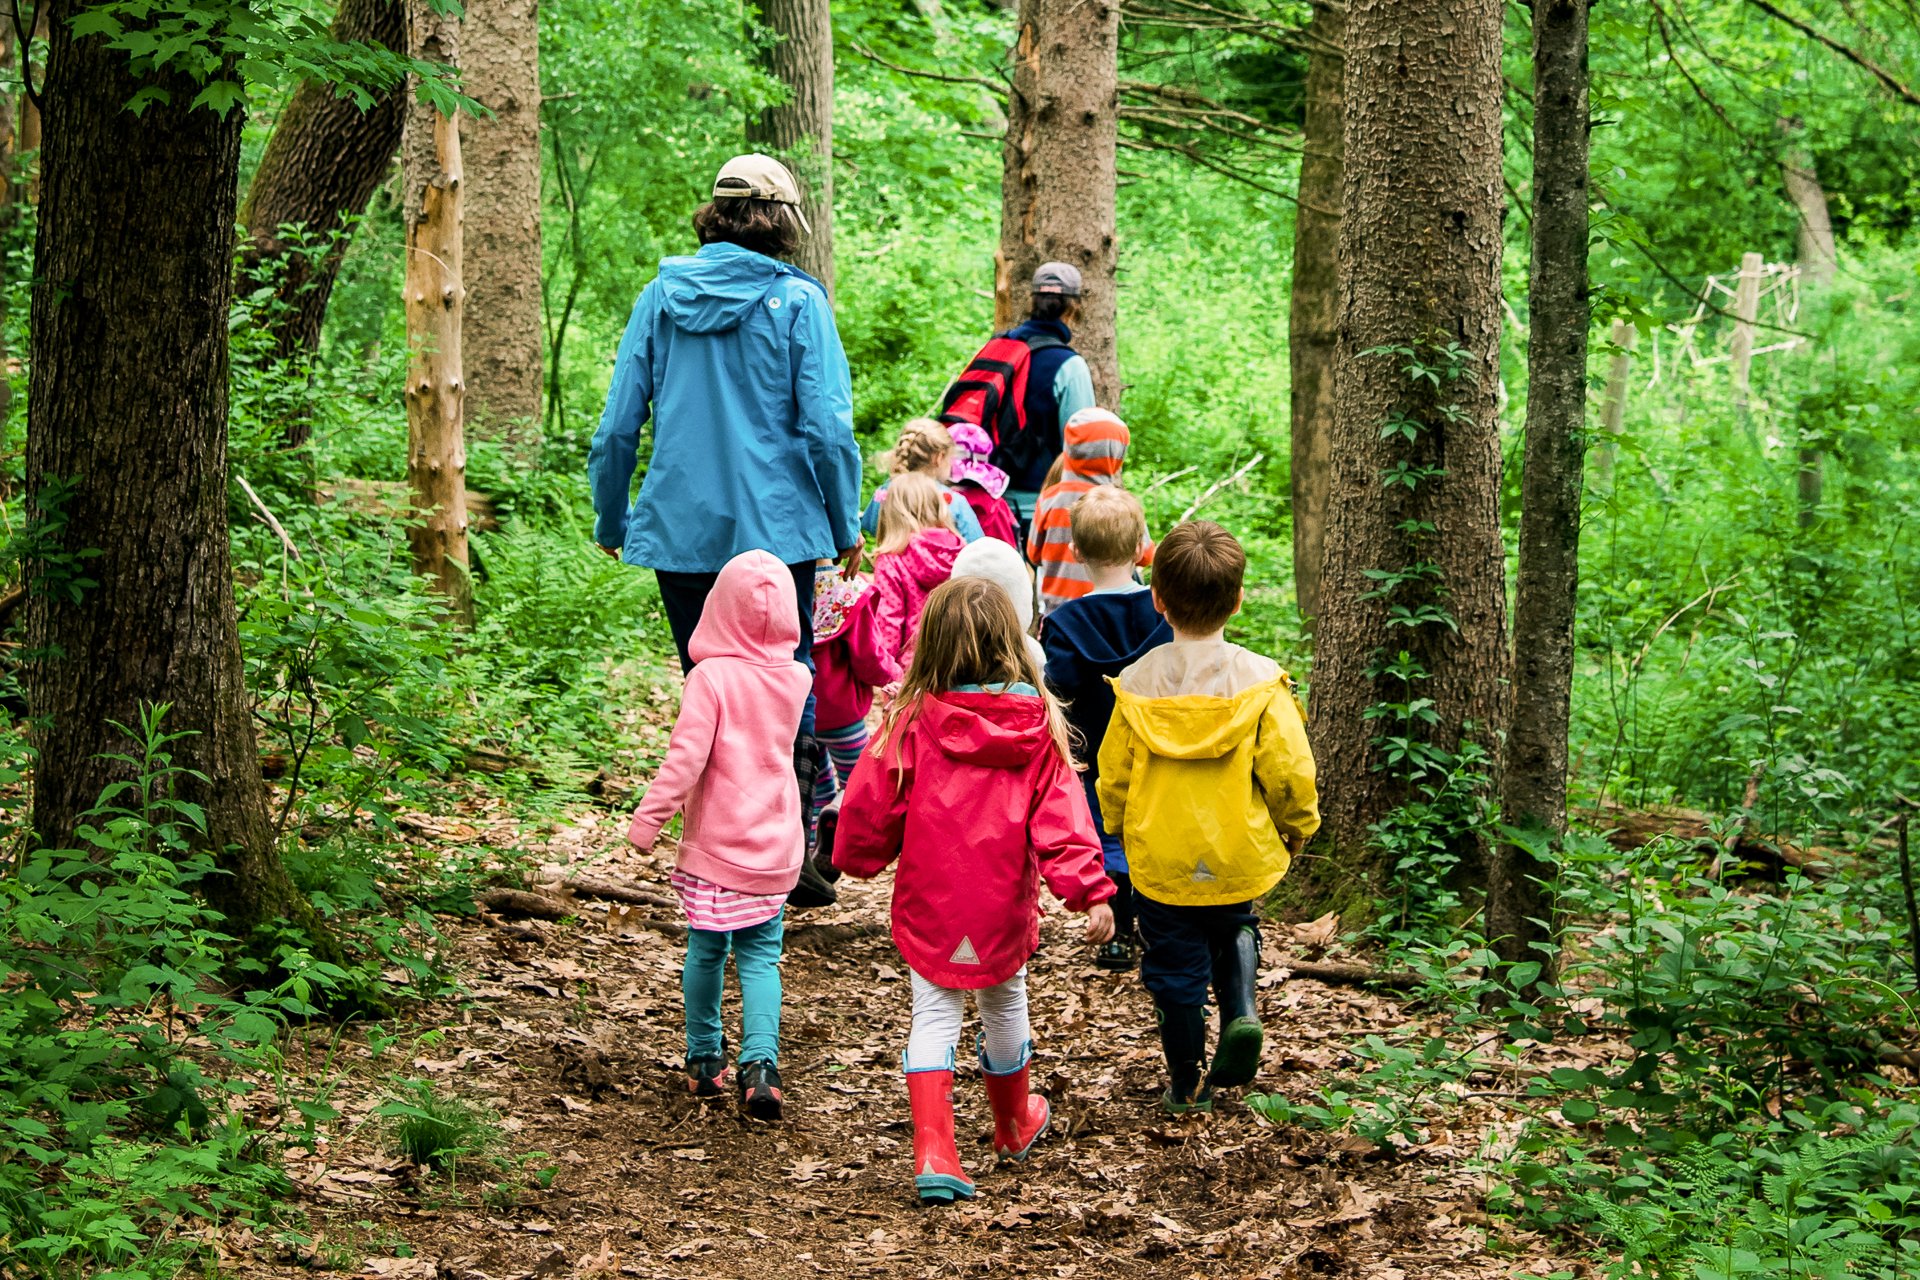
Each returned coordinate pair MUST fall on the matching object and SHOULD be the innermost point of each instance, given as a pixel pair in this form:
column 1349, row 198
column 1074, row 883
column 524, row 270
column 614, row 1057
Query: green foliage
column 437, row 1130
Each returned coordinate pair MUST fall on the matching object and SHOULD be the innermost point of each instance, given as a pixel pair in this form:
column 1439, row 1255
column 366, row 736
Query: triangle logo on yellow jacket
column 1202, row 873
column 964, row 953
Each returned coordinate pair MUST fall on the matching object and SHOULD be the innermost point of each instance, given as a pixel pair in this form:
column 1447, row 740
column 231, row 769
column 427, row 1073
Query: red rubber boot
column 1019, row 1117
column 937, row 1175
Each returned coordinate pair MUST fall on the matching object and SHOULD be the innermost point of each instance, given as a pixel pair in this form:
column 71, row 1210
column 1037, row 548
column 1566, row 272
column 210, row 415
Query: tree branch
column 1861, row 60
column 994, row 87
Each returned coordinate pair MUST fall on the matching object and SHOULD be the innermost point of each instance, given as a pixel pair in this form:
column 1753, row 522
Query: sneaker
column 1119, row 956
column 707, row 1077
column 760, row 1089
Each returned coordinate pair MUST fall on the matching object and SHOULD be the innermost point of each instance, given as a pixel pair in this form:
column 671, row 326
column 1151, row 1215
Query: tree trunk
column 1819, row 258
column 1613, row 410
column 1314, row 326
column 1420, row 269
column 1533, row 795
column 132, row 601
column 504, row 340
column 28, row 132
column 435, row 302
column 1058, row 187
column 799, row 131
column 321, row 165
column 1746, row 309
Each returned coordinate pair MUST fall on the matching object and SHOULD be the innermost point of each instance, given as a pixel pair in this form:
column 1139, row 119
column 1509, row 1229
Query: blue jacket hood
column 712, row 291
column 1107, row 632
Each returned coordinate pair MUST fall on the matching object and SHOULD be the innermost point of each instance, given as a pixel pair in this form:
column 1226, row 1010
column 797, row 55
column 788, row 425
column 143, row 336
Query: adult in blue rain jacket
column 734, row 358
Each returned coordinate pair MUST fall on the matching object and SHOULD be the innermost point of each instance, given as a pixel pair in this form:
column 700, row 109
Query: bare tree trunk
column 1533, row 794
column 132, row 582
column 800, row 130
column 28, row 134
column 1819, row 258
column 1314, row 327
column 1058, row 188
column 322, row 164
column 1420, row 251
column 503, row 342
column 1613, row 411
column 435, row 301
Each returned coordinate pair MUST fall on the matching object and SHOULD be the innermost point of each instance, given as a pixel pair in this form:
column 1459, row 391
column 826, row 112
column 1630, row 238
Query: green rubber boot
column 1236, row 1058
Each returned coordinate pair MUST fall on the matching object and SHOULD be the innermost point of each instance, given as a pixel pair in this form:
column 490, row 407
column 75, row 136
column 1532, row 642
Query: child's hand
column 1100, row 924
column 1294, row 845
column 887, row 693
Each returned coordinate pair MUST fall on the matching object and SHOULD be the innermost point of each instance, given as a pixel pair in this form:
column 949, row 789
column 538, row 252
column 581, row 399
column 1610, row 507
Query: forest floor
column 569, row 1033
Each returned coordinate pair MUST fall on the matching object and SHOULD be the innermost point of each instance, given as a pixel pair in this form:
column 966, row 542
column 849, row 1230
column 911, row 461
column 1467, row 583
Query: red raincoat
column 976, row 804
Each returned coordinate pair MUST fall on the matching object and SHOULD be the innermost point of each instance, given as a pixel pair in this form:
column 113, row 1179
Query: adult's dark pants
column 684, row 596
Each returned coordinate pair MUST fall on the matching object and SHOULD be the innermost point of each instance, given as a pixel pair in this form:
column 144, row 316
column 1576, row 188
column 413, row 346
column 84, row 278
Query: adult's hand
column 610, row 551
column 849, row 558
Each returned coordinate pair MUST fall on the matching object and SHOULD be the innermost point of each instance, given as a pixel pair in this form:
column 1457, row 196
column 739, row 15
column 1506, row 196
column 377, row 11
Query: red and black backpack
column 992, row 392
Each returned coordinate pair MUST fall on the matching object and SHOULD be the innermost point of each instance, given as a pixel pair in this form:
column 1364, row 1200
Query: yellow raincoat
column 1204, row 790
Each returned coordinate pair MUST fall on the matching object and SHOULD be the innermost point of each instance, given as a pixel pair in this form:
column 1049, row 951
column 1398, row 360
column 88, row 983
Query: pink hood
column 988, row 807
column 729, row 765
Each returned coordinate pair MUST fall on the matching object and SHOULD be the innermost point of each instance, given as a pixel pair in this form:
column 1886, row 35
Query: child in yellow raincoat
column 1206, row 774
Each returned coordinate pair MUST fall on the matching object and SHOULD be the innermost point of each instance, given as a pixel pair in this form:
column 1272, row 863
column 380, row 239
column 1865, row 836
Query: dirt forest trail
column 571, row 1032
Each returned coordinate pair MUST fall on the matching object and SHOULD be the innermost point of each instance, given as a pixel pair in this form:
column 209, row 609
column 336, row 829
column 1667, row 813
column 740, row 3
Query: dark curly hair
column 1054, row 306
column 763, row 226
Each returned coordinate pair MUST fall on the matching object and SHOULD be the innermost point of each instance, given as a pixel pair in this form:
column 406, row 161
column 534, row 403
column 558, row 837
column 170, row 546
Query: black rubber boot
column 1236, row 1058
column 814, row 889
column 1183, row 1039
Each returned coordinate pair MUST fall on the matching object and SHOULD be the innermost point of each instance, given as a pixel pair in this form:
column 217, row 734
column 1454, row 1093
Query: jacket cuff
column 641, row 833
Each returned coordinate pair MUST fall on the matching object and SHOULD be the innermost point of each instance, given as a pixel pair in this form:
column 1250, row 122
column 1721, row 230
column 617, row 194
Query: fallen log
column 608, row 892
column 521, row 905
column 1351, row 975
column 1629, row 829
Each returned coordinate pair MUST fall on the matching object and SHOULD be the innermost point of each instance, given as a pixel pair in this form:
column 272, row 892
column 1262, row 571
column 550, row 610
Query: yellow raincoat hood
column 1202, row 790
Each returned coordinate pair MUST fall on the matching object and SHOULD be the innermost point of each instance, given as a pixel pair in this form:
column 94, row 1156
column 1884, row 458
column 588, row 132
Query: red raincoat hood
column 988, row 729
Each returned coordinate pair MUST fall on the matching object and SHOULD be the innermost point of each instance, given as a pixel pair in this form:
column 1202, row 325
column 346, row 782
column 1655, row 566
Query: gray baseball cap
column 1057, row 277
column 757, row 177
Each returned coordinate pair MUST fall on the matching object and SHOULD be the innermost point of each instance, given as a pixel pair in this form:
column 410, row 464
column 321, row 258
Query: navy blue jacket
column 1026, row 463
column 1088, row 640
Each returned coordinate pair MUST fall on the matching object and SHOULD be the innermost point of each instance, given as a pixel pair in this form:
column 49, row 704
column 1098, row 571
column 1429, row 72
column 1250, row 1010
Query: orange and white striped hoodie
column 1096, row 446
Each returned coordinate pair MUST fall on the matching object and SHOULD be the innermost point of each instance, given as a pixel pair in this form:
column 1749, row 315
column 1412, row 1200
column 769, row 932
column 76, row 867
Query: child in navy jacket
column 1092, row 638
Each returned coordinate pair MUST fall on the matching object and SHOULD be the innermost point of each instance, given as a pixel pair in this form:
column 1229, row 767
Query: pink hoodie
column 978, row 806
column 902, row 581
column 729, row 765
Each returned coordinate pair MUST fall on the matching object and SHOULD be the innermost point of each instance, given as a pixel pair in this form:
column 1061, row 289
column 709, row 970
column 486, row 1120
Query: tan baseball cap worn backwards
column 757, row 177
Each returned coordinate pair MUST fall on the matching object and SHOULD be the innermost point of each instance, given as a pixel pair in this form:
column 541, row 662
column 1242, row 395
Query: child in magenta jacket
column 972, row 789
column 916, row 554
column 729, row 771
column 849, row 663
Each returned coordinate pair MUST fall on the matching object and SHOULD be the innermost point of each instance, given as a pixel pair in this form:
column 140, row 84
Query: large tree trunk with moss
column 799, row 132
column 323, row 162
column 1420, row 272
column 435, row 306
column 132, row 583
column 1314, row 327
column 1058, row 185
column 504, row 339
column 1533, row 797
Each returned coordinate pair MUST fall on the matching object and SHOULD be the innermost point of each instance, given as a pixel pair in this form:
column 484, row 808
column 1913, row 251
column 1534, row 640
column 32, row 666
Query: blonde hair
column 920, row 444
column 1108, row 527
column 1054, row 472
column 969, row 634
column 913, row 502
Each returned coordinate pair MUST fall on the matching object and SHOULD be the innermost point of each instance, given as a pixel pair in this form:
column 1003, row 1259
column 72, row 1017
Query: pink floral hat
column 971, row 449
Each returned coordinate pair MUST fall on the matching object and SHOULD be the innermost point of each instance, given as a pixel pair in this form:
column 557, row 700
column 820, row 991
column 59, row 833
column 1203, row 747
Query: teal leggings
column 756, row 958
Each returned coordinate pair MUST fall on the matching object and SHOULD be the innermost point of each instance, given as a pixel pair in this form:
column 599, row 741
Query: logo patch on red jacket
column 964, row 953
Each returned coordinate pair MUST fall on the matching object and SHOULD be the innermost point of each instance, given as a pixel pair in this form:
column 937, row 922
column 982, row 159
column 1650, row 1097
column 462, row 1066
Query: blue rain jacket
column 734, row 358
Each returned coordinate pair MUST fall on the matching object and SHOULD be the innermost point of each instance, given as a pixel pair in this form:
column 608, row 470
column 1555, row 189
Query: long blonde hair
column 969, row 634
column 913, row 502
column 920, row 444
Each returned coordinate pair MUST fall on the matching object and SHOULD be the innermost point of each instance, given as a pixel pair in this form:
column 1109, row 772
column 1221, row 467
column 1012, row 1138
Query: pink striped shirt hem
column 716, row 909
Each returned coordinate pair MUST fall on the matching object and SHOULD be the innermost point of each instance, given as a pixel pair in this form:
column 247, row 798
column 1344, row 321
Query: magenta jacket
column 849, row 662
column 729, row 765
column 902, row 581
column 976, row 803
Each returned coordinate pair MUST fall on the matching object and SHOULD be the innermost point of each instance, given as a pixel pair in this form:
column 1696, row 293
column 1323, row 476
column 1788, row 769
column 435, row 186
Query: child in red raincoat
column 971, row 787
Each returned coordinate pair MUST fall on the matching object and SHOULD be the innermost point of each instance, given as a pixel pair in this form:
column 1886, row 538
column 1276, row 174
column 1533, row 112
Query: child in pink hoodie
column 915, row 554
column 729, row 771
column 971, row 789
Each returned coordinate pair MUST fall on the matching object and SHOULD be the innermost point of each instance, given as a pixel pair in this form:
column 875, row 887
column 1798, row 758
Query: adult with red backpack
column 1024, row 384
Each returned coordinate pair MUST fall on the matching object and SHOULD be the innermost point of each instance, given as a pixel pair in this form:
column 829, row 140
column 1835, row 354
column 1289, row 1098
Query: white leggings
column 938, row 1012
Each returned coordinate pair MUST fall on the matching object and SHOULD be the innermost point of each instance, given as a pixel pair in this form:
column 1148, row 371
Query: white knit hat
column 997, row 562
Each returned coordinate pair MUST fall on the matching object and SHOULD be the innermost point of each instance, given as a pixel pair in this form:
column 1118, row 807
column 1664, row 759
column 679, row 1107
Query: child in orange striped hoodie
column 1096, row 448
